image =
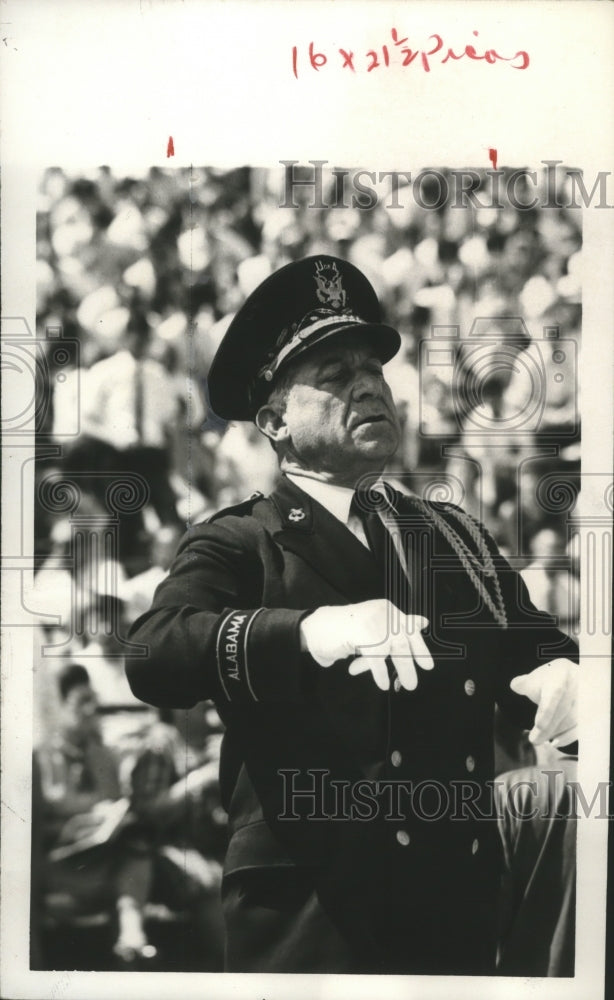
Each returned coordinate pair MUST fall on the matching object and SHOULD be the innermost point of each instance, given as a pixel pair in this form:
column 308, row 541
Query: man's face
column 80, row 710
column 339, row 411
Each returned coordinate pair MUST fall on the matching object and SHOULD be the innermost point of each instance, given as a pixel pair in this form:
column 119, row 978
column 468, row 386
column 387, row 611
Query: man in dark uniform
column 355, row 643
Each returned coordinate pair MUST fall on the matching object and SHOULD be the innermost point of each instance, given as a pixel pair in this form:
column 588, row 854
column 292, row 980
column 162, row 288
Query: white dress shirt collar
column 336, row 499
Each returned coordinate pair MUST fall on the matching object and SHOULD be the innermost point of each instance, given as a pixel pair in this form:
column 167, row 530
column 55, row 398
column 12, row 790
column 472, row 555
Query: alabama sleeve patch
column 232, row 654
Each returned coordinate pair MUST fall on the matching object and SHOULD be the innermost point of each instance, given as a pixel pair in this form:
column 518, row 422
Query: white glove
column 554, row 689
column 370, row 632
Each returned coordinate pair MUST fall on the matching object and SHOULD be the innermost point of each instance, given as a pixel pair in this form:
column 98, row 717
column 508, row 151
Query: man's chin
column 373, row 456
column 376, row 437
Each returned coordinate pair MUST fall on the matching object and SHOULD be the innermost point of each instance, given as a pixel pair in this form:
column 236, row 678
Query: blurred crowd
column 137, row 280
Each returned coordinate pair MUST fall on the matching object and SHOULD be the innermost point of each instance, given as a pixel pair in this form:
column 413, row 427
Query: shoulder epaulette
column 238, row 509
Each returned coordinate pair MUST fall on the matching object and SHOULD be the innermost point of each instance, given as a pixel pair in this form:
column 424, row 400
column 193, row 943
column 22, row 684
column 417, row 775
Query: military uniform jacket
column 385, row 863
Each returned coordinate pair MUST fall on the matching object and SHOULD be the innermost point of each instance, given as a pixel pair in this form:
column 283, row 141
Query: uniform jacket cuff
column 259, row 656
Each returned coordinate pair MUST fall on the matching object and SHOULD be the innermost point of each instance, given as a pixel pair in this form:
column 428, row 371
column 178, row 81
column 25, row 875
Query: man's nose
column 366, row 384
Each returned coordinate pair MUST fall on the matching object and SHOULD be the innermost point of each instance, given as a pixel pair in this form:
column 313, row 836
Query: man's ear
column 271, row 423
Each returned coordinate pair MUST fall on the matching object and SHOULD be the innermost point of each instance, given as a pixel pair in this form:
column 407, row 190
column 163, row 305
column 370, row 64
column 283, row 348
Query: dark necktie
column 364, row 506
column 367, row 505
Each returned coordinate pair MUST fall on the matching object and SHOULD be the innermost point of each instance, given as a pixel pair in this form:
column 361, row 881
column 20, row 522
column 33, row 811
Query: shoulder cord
column 470, row 561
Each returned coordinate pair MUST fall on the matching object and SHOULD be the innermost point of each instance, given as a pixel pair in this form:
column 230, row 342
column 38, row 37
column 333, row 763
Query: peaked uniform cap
column 297, row 307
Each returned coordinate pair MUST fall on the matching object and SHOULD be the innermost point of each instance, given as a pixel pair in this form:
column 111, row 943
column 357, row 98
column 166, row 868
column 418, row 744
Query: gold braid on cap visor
column 316, row 323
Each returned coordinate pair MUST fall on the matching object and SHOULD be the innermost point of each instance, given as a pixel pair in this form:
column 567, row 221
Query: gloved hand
column 554, row 689
column 370, row 632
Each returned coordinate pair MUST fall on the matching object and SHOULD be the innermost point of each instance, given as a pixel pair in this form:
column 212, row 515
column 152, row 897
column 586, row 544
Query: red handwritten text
column 401, row 53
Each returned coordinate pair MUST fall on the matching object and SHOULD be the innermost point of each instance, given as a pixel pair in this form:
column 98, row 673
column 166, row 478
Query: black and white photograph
column 308, row 485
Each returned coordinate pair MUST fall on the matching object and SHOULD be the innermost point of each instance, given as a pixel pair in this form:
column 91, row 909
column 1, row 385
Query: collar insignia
column 296, row 514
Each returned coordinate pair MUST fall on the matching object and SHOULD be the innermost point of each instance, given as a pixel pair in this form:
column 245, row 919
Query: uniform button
column 396, row 758
column 397, row 684
column 475, row 846
column 469, row 687
column 402, row 837
column 470, row 763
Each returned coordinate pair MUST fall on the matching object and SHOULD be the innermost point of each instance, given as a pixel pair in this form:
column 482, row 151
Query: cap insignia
column 329, row 289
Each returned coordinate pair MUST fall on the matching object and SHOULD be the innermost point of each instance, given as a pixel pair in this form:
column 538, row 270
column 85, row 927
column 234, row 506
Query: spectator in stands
column 89, row 864
column 138, row 591
column 548, row 579
column 176, row 799
column 130, row 406
column 124, row 722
